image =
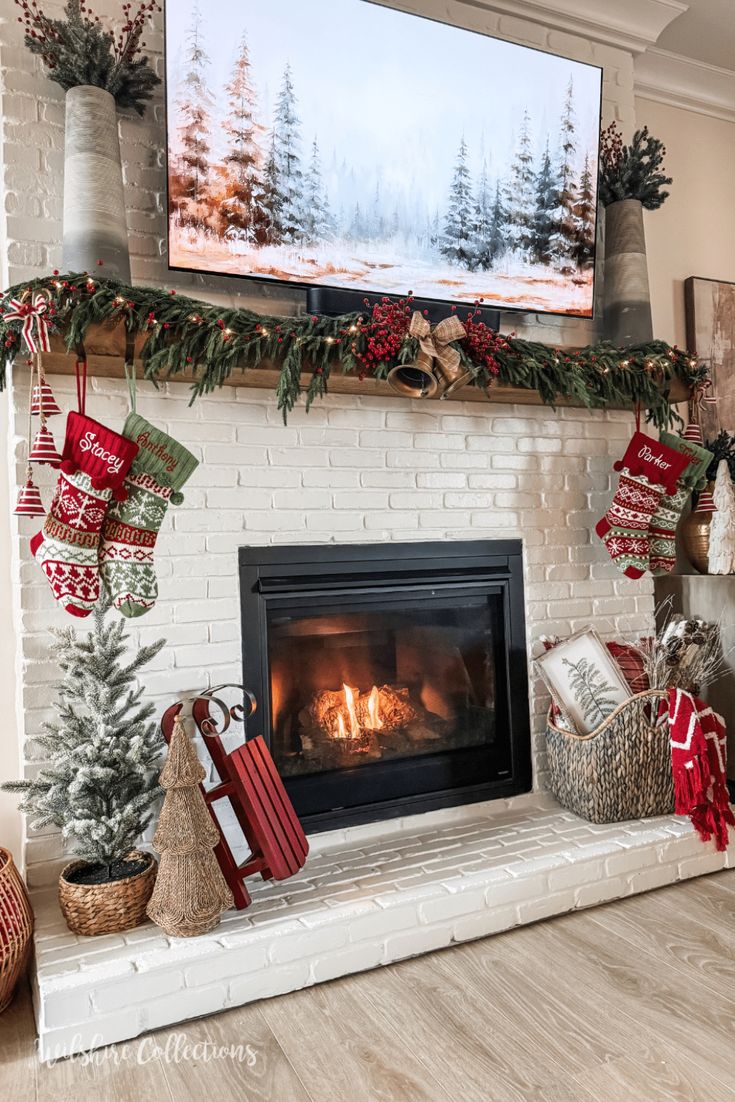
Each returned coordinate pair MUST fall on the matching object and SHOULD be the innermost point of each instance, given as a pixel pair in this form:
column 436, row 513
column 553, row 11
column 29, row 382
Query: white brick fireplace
column 352, row 470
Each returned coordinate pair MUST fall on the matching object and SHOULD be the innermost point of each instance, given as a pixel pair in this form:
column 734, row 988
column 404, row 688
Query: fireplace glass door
column 390, row 679
column 354, row 686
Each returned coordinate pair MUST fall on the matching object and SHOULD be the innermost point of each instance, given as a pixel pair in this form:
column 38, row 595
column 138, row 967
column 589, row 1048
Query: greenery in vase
column 722, row 447
column 78, row 49
column 100, row 782
column 595, row 696
column 632, row 171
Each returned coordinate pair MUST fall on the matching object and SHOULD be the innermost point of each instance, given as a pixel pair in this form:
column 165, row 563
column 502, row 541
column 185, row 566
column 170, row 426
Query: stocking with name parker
column 648, row 470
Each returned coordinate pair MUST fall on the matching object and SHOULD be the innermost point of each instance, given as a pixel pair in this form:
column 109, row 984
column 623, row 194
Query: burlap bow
column 31, row 311
column 435, row 345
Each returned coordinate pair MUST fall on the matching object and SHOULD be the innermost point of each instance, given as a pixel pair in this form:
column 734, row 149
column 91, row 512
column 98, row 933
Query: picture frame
column 584, row 680
column 710, row 331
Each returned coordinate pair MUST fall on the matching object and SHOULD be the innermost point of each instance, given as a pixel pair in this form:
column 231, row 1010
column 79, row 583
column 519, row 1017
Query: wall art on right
column 710, row 323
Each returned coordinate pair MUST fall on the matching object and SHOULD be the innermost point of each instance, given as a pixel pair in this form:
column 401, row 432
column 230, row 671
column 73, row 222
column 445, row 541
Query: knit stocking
column 648, row 470
column 662, row 533
column 94, row 463
column 160, row 469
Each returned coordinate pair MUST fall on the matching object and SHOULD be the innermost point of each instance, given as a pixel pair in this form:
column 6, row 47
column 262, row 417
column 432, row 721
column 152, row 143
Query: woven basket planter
column 107, row 908
column 16, row 927
column 621, row 770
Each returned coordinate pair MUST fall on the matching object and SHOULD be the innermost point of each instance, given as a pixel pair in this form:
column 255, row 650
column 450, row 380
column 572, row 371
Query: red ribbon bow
column 32, row 314
column 702, row 395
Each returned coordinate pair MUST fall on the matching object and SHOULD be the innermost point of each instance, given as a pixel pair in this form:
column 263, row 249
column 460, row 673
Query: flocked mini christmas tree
column 190, row 892
column 99, row 784
column 722, row 529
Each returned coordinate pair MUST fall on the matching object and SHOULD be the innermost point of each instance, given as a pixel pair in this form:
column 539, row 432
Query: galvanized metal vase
column 94, row 206
column 626, row 295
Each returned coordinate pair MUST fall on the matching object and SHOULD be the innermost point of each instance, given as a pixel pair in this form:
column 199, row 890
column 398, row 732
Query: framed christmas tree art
column 584, row 680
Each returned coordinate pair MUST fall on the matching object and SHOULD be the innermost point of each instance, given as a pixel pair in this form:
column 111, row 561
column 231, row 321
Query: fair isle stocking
column 131, row 528
column 94, row 463
column 662, row 533
column 649, row 469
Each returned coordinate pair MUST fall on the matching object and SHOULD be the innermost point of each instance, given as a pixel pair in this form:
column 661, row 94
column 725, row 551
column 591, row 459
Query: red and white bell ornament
column 43, row 401
column 29, row 502
column 43, row 448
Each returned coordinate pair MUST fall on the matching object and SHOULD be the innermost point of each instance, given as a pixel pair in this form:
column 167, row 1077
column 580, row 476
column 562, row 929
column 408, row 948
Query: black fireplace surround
column 390, row 678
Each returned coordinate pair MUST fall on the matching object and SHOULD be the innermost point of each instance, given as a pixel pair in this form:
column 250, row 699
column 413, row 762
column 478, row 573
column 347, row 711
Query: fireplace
column 390, row 678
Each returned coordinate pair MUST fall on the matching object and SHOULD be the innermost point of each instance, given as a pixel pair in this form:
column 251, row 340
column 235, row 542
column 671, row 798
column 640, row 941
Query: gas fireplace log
column 395, row 710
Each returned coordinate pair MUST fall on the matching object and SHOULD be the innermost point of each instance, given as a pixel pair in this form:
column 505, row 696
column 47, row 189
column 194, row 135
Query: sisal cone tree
column 190, row 892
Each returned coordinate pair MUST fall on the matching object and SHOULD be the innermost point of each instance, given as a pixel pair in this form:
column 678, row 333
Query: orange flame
column 352, row 714
column 376, row 722
column 341, row 731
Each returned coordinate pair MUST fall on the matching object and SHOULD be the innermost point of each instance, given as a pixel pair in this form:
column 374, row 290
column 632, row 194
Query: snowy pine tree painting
column 472, row 175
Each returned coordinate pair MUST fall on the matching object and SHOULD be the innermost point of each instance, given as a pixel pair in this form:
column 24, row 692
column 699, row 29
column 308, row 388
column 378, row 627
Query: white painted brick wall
column 353, row 470
column 248, row 493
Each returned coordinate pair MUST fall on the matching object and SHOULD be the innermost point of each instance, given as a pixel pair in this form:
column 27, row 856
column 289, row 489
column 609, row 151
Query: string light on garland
column 178, row 337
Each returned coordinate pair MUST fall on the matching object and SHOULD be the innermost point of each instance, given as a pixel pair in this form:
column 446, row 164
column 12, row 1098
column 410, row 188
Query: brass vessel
column 694, row 531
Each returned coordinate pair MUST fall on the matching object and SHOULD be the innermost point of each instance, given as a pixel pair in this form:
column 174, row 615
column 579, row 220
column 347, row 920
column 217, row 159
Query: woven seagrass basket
column 16, row 926
column 621, row 770
column 107, row 908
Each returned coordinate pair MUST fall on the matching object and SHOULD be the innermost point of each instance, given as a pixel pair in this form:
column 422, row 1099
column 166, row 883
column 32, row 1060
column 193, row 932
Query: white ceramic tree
column 722, row 529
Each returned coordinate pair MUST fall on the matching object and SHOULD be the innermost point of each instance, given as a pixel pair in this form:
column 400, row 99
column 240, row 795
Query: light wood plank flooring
column 631, row 1002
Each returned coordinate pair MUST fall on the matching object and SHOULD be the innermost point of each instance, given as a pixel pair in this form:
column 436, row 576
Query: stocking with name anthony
column 648, row 470
column 94, row 463
column 159, row 471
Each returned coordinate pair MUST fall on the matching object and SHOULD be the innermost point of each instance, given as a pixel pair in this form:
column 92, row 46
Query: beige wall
column 693, row 233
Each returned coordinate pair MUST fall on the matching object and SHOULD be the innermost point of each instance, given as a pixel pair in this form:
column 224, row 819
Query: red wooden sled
column 248, row 778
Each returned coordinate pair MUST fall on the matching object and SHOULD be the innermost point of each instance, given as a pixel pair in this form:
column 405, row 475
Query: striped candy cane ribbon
column 702, row 395
column 32, row 312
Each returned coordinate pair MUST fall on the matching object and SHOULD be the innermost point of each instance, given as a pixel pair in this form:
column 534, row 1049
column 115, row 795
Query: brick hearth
column 368, row 896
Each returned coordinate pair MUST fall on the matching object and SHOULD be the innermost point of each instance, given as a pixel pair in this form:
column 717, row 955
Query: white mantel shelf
column 368, row 896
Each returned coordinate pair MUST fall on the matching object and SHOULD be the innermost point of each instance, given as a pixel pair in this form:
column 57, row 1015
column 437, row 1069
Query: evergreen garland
column 210, row 342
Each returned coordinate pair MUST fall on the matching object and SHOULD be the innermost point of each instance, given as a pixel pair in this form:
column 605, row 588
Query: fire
column 374, row 720
column 352, row 714
column 347, row 715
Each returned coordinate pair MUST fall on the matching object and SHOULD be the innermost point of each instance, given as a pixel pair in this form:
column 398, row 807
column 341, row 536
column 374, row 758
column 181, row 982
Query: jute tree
column 190, row 892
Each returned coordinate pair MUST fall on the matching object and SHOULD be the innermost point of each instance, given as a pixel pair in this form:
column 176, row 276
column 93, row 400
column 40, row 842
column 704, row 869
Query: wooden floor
column 631, row 1001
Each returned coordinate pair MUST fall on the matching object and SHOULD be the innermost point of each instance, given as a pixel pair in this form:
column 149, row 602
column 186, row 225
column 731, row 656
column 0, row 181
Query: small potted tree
column 100, row 69
column 100, row 781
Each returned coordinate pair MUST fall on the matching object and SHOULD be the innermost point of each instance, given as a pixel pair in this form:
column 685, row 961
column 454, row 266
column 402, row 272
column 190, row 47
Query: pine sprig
column 78, row 49
column 722, row 447
column 632, row 171
column 210, row 343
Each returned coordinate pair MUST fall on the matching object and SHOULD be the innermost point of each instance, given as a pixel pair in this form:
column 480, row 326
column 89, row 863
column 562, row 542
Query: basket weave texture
column 16, row 926
column 621, row 770
column 107, row 908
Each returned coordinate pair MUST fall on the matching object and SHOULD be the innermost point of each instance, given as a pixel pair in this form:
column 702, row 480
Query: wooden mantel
column 105, row 350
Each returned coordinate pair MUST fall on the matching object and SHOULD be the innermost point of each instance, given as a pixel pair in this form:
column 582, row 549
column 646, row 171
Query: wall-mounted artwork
column 343, row 143
column 710, row 321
